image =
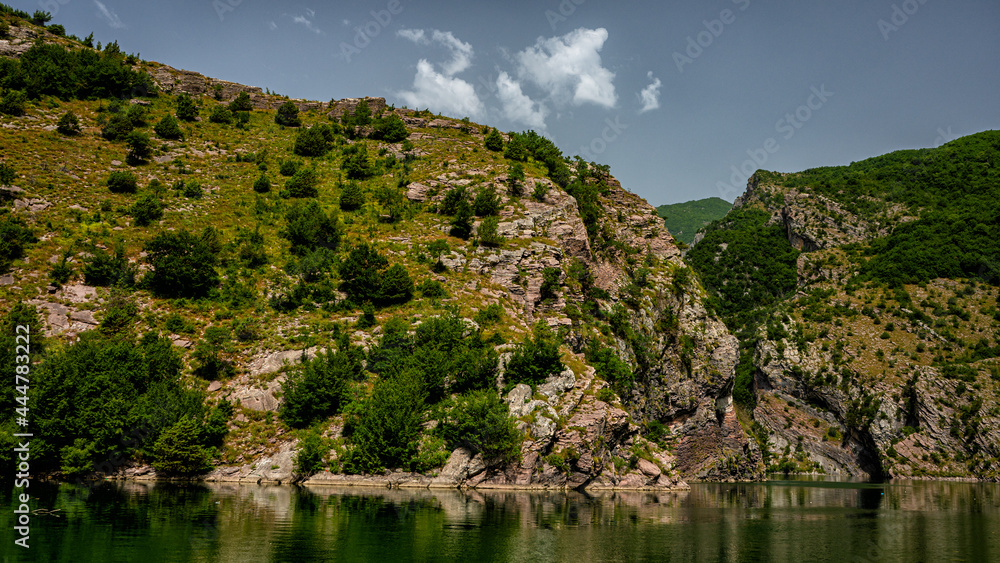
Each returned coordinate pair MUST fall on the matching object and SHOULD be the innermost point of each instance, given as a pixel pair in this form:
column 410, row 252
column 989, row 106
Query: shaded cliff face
column 610, row 280
column 857, row 375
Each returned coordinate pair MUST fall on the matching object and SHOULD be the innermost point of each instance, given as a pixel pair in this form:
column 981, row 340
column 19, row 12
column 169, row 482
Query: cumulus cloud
column 650, row 95
column 307, row 21
column 109, row 15
column 442, row 90
column 569, row 68
column 518, row 107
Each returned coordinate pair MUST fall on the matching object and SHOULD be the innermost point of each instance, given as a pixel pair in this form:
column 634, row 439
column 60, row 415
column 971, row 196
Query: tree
column 387, row 426
column 319, row 390
column 183, row 264
column 221, row 114
column 396, row 286
column 487, row 232
column 139, row 147
column 263, row 184
column 461, row 224
column 14, row 237
column 312, row 451
column 494, row 141
column 486, row 203
column 117, row 128
column 241, row 103
column 7, row 174
column 186, row 108
column 13, row 102
column 168, row 128
column 481, row 422
column 122, row 182
column 310, row 142
column 41, row 18
column 516, row 150
column 390, row 129
column 307, row 228
column 356, row 164
column 536, row 358
column 288, row 115
column 147, row 209
column 178, row 451
column 302, row 184
column 69, row 124
column 352, row 196
column 515, row 179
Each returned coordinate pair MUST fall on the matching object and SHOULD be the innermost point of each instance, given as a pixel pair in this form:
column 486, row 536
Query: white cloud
column 307, row 23
column 461, row 52
column 650, row 95
column 109, row 15
column 518, row 107
column 415, row 35
column 446, row 94
column 569, row 68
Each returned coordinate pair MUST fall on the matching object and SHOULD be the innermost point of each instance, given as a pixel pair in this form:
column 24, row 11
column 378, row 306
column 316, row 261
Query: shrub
column 540, row 191
column 246, row 329
column 288, row 115
column 432, row 289
column 136, row 115
column 352, row 197
column 7, row 174
column 387, row 425
column 487, row 203
column 535, row 358
column 117, row 128
column 147, row 209
column 494, row 141
column 550, row 283
column 241, row 103
column 192, row 190
column 488, row 234
column 14, row 237
column 610, row 368
column 461, row 224
column 307, row 228
column 311, row 142
column 356, row 164
column 262, row 184
column 57, row 29
column 13, row 102
column 221, row 114
column 177, row 450
column 122, row 182
column 310, row 457
column 481, row 422
column 168, row 128
column 515, row 150
column 288, row 167
column 61, row 272
column 515, row 179
column 319, row 390
column 390, row 129
column 69, row 124
column 108, row 269
column 208, row 354
column 366, row 276
column 186, row 108
column 183, row 264
column 139, row 147
column 302, row 184
column 396, row 286
column 41, row 18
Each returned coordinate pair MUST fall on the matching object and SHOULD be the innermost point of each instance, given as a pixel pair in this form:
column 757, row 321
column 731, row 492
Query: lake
column 805, row 520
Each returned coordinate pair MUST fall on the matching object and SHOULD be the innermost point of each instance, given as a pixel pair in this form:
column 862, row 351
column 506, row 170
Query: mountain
column 865, row 300
column 683, row 220
column 224, row 283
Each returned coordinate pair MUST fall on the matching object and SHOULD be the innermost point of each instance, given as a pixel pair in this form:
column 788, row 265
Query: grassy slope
column 684, row 219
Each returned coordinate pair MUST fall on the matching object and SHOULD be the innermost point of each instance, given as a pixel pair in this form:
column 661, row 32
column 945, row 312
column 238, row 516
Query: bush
column 56, row 29
column 288, row 115
column 117, row 128
column 41, row 18
column 515, row 150
column 288, row 167
column 192, row 189
column 262, row 184
column 387, row 425
column 356, row 164
column 207, row 353
column 366, row 276
column 183, row 264
column 13, row 103
column 352, row 197
column 7, row 174
column 319, row 390
column 15, row 236
column 168, row 128
column 461, row 224
column 241, row 103
column 395, row 287
column 302, row 184
column 186, row 108
column 104, row 270
column 69, row 124
column 390, row 129
column 307, row 228
column 550, row 283
column 311, row 142
column 487, row 203
column 221, row 114
column 481, row 422
column 136, row 115
column 178, row 452
column 139, row 147
column 147, row 209
column 122, row 182
column 488, row 232
column 494, row 141
column 535, row 359
column 432, row 289
column 310, row 457
column 515, row 180
column 611, row 368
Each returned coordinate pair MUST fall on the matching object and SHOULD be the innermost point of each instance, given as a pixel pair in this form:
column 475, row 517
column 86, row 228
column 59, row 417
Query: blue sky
column 682, row 99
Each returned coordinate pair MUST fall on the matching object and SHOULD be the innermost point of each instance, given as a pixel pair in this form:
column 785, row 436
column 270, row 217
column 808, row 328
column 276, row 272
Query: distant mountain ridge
column 683, row 220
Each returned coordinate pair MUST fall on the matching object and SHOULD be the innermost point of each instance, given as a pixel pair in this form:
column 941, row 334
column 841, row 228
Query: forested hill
column 865, row 299
column 683, row 220
column 228, row 284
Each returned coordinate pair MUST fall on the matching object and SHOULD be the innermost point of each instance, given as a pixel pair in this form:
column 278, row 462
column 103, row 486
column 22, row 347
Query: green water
column 773, row 521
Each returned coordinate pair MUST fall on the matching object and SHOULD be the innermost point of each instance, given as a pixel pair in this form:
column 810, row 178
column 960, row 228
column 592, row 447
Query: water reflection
column 774, row 521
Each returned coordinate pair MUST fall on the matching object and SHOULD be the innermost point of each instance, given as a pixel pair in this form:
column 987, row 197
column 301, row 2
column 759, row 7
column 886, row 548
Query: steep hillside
column 239, row 286
column 684, row 220
column 865, row 298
